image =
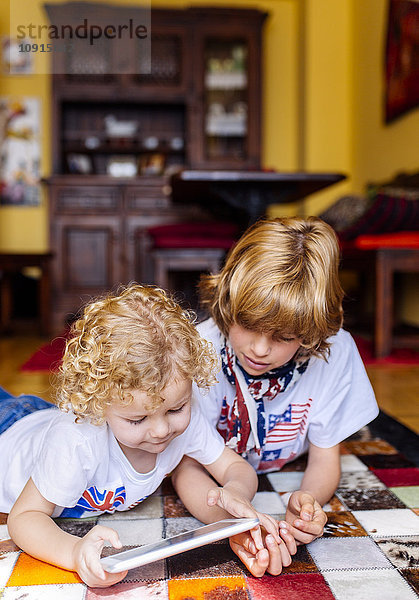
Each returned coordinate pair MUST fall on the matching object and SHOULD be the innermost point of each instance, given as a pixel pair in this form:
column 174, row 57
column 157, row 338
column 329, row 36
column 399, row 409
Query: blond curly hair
column 280, row 278
column 138, row 338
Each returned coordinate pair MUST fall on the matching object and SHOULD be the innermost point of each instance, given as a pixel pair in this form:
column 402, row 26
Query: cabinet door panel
column 86, row 258
column 89, row 256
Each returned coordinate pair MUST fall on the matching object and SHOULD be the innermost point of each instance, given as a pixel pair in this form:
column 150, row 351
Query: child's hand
column 271, row 559
column 86, row 555
column 305, row 518
column 239, row 506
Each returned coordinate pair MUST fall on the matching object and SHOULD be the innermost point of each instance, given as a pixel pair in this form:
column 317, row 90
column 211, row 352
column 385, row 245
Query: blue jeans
column 13, row 408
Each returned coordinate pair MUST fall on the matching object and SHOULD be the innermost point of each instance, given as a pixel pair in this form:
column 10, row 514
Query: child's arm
column 305, row 518
column 209, row 503
column 32, row 529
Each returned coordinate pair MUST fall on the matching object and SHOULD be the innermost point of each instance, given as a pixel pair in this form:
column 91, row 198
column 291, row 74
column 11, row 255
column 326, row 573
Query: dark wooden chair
column 12, row 263
column 381, row 256
column 189, row 247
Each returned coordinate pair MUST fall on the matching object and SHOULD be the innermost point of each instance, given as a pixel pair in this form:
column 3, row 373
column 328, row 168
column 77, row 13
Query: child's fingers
column 307, row 511
column 271, row 525
column 278, row 554
column 303, row 531
column 100, row 534
column 257, row 563
column 316, row 525
column 288, row 539
column 213, row 497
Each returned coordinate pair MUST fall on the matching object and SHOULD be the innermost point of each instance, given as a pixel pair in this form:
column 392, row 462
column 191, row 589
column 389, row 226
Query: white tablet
column 142, row 555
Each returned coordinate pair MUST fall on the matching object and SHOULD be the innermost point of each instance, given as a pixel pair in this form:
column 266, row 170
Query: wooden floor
column 396, row 387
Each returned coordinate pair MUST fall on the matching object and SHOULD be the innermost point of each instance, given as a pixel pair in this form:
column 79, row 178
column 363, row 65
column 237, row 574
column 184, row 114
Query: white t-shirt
column 80, row 467
column 330, row 401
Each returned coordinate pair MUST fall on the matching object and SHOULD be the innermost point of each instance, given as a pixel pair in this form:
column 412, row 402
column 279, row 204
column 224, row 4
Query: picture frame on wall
column 401, row 59
column 20, row 153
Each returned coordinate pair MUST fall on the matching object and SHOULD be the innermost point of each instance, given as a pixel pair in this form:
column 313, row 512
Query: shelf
column 226, row 125
column 226, row 81
column 120, row 149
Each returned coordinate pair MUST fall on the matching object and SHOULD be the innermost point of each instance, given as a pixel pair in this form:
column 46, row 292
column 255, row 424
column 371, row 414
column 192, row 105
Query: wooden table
column 12, row 263
column 247, row 193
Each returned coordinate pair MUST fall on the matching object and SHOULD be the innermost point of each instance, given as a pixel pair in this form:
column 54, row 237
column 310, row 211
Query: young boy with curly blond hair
column 126, row 419
column 291, row 380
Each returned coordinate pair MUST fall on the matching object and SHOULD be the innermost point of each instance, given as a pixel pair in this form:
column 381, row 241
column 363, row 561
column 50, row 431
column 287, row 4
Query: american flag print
column 286, row 427
column 95, row 499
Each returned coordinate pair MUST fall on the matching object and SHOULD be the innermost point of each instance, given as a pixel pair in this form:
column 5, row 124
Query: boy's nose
column 261, row 345
column 160, row 428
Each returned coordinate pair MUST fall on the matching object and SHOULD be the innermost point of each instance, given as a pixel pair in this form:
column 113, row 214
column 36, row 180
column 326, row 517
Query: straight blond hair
column 280, row 278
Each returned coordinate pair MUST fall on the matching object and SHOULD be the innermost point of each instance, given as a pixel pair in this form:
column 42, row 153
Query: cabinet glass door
column 225, row 99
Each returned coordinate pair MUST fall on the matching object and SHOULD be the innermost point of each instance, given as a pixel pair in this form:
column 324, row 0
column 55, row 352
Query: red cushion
column 210, row 229
column 400, row 239
column 194, row 235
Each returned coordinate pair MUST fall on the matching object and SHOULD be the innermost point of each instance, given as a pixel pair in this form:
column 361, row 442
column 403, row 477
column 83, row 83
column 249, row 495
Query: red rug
column 48, row 357
column 398, row 356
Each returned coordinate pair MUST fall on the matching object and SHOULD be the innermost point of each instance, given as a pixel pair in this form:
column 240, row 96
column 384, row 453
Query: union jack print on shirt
column 287, row 426
column 94, row 499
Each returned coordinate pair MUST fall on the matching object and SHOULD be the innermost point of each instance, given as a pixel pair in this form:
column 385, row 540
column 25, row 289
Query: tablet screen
column 142, row 555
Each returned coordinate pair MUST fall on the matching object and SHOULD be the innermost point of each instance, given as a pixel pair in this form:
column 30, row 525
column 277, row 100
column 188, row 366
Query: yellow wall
column 322, row 102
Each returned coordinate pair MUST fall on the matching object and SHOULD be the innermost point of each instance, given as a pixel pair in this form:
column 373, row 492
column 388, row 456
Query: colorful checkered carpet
column 370, row 549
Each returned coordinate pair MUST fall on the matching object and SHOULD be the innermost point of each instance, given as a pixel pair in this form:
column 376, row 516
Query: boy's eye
column 177, row 410
column 136, row 421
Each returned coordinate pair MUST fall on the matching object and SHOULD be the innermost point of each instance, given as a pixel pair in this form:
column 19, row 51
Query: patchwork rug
column 370, row 548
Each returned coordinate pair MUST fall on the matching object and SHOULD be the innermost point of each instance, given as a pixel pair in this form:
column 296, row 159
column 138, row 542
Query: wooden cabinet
column 119, row 133
column 98, row 233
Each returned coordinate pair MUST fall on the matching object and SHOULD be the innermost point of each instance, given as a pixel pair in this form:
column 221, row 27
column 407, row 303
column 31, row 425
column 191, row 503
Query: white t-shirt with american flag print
column 329, row 402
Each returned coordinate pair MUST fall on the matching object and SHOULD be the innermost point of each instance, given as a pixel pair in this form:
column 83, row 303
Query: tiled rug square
column 302, row 562
column 7, row 564
column 377, row 584
column 343, row 524
column 269, row 503
column 214, row 588
column 388, row 522
column 398, row 477
column 150, row 508
column 74, row 591
column 150, row 572
column 29, row 571
column 174, row 507
column 369, row 447
column 407, row 494
column 153, row 590
column 180, row 525
column 412, row 576
column 403, row 552
column 347, row 553
column 310, row 586
column 356, row 499
column 386, row 461
column 360, row 480
column 215, row 560
column 285, row 481
column 350, row 462
column 135, row 533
